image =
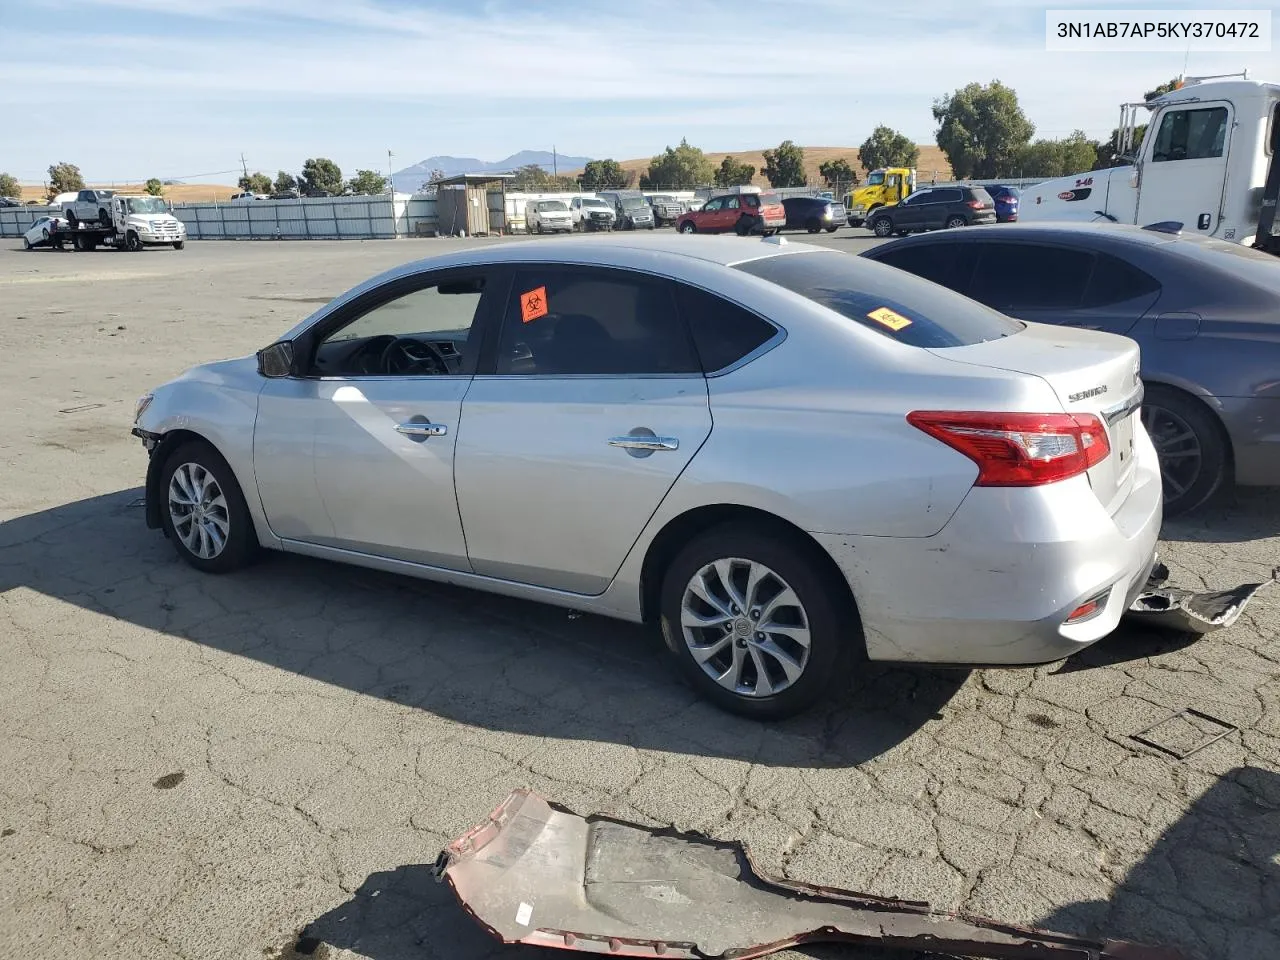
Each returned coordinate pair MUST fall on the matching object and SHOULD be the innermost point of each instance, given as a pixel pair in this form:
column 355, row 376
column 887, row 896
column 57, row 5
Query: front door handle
column 422, row 429
column 635, row 442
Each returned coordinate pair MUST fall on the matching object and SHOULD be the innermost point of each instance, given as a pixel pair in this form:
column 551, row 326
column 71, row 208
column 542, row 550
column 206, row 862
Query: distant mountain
column 411, row 178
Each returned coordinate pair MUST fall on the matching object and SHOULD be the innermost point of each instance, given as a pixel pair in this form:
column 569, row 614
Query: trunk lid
column 1089, row 372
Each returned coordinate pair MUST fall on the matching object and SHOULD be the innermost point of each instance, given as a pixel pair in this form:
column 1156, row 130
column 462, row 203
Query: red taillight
column 976, row 204
column 1019, row 449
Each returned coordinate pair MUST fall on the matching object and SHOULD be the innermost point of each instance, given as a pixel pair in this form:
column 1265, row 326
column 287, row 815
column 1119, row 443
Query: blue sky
column 179, row 88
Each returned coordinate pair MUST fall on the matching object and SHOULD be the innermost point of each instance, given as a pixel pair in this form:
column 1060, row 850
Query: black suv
column 934, row 208
column 813, row 214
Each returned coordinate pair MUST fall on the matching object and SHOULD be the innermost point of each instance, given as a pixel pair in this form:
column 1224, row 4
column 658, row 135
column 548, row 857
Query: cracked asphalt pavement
column 266, row 764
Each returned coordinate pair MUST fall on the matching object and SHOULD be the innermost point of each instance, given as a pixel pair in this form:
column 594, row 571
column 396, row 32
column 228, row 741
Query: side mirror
column 276, row 361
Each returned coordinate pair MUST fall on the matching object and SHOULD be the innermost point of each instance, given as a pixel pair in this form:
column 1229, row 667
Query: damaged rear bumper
column 538, row 874
column 1186, row 611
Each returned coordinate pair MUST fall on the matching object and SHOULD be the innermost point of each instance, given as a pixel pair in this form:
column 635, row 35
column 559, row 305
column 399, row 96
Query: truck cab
column 884, row 187
column 143, row 221
column 1203, row 163
column 88, row 206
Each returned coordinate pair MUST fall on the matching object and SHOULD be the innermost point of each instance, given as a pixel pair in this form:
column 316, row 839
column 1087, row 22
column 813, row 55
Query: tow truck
column 1207, row 162
column 133, row 223
column 884, row 188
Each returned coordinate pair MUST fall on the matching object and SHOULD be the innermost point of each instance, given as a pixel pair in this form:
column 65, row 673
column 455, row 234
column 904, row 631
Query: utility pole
column 390, row 176
column 555, row 167
column 244, row 166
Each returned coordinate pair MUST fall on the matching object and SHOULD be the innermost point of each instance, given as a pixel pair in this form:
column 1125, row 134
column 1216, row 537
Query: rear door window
column 723, row 332
column 1025, row 276
column 1115, row 281
column 897, row 305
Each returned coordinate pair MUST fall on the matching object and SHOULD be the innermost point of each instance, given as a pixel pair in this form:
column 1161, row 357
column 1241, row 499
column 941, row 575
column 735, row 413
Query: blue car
column 1006, row 199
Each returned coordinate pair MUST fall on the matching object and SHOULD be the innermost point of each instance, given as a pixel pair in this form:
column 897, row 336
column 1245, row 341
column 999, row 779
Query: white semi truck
column 122, row 222
column 1207, row 161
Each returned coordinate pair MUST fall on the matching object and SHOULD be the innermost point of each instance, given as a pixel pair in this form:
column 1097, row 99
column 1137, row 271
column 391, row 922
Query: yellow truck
column 883, row 188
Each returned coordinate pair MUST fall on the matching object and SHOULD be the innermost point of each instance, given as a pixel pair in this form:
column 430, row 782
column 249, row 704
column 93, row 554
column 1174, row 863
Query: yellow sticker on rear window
column 894, row 321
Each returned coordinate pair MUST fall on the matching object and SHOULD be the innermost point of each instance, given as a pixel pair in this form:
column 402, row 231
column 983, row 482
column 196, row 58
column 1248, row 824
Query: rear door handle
column 645, row 443
column 422, row 430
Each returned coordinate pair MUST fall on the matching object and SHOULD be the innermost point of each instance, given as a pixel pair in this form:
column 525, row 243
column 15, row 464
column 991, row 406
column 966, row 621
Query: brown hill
column 179, row 192
column 932, row 163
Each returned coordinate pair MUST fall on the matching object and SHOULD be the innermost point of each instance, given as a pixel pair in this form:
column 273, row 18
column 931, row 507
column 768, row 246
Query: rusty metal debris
column 1208, row 731
column 1187, row 611
column 536, row 873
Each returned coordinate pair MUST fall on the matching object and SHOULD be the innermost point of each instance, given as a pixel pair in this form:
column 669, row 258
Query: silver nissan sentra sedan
column 788, row 457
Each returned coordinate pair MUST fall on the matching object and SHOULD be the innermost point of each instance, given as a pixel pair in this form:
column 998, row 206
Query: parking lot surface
column 209, row 767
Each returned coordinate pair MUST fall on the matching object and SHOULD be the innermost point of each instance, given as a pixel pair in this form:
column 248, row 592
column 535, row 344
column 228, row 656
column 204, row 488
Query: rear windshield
column 770, row 198
column 891, row 302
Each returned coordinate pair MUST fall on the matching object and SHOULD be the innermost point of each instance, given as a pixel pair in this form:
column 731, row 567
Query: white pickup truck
column 123, row 222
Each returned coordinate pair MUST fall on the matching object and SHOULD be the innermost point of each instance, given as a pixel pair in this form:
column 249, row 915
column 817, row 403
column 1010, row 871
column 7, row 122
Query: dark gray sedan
column 1205, row 312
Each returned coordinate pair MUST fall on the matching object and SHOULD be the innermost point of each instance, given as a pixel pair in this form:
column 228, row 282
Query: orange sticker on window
column 533, row 304
column 894, row 321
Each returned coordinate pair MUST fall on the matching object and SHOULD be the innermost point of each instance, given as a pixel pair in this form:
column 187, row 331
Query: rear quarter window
column 893, row 303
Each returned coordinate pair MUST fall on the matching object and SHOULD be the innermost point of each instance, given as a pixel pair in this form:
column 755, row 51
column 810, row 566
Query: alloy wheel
column 1177, row 447
column 745, row 627
column 198, row 511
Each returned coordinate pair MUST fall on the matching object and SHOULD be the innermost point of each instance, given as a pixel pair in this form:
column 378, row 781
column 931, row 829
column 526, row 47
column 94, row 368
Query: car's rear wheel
column 104, row 218
column 26, row 244
column 833, row 228
column 882, row 226
column 813, row 226
column 743, row 227
column 44, row 233
column 1190, row 444
column 955, row 222
column 754, row 622
column 204, row 511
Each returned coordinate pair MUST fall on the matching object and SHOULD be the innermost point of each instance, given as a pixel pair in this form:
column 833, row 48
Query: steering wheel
column 405, row 355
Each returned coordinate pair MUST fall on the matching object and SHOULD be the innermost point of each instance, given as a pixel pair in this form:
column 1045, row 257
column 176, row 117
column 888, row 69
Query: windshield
column 550, row 206
column 146, row 205
column 899, row 306
column 595, row 203
column 875, row 178
column 630, row 203
column 662, row 199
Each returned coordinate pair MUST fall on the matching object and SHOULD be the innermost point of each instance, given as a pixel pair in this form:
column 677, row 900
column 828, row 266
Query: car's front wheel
column 882, row 226
column 26, row 244
column 688, row 227
column 204, row 511
column 754, row 621
column 1190, row 445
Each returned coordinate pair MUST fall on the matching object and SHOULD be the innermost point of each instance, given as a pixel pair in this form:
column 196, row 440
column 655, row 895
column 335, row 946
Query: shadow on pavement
column 478, row 659
column 1234, row 516
column 1210, row 885
column 1129, row 643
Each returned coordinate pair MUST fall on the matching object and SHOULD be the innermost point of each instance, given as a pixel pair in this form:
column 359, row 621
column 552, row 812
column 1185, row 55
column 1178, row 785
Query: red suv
column 743, row 213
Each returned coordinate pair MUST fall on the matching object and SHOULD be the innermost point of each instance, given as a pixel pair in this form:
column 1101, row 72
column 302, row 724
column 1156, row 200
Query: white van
column 547, row 216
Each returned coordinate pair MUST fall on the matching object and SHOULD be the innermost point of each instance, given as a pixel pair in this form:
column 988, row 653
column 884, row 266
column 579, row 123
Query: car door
column 732, row 210
column 357, row 450
column 1185, row 171
column 909, row 214
column 705, row 219
column 940, row 205
column 590, row 407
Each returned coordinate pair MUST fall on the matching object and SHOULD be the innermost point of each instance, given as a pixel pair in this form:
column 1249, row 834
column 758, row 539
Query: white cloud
column 622, row 84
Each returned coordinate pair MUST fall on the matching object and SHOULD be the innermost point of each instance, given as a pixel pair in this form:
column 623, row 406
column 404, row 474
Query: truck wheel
column 179, row 244
column 72, row 220
column 104, row 218
column 133, row 242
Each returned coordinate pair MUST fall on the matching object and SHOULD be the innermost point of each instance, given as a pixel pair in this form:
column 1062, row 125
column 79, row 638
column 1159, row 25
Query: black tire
column 688, row 227
column 72, row 220
column 44, row 233
column 179, row 244
column 537, row 227
column 833, row 229
column 242, row 541
column 26, row 244
column 743, row 227
column 133, row 242
column 813, row 226
column 882, row 226
column 954, row 223
column 104, row 218
column 834, row 628
column 1169, row 413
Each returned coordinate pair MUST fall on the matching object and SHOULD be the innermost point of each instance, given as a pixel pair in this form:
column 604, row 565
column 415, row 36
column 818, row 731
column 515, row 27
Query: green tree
column 285, row 181
column 605, row 175
column 886, row 147
column 1055, row 158
column 733, row 173
column 63, row 178
column 321, row 175
column 1106, row 156
column 366, row 183
column 9, row 186
column 784, row 167
column 1167, row 87
column 981, row 129
column 837, row 173
column 531, row 178
column 256, row 183
column 155, row 187
column 682, row 168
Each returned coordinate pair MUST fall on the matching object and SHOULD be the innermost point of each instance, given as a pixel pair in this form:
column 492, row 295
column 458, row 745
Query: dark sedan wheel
column 814, row 225
column 882, row 226
column 754, row 622
column 1190, row 444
